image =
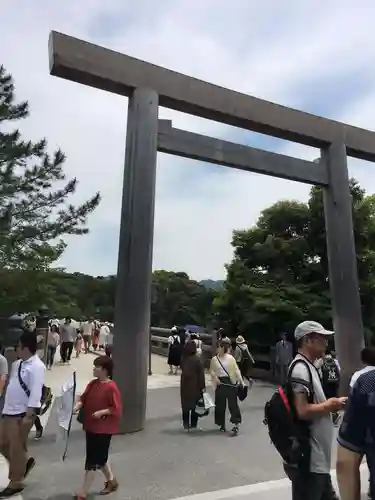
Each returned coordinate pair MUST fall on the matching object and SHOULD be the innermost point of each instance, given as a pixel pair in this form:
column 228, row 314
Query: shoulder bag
column 242, row 390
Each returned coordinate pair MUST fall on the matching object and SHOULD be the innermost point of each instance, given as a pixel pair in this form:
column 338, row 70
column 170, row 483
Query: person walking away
column 198, row 343
column 68, row 334
column 53, row 340
column 87, row 333
column 95, row 335
column 102, row 409
column 284, row 356
column 243, row 358
column 174, row 353
column 356, row 436
column 104, row 332
column 192, row 385
column 225, row 377
column 368, row 360
column 78, row 344
column 330, row 373
column 311, row 478
column 109, row 343
column 22, row 402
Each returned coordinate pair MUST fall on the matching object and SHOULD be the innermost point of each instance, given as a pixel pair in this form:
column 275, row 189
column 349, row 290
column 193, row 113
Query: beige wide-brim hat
column 240, row 340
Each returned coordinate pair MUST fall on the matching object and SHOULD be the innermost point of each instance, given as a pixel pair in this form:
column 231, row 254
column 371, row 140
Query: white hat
column 307, row 327
column 174, row 329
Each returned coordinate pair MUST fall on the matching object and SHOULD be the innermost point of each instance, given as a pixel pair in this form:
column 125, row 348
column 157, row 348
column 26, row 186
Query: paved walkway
column 163, row 462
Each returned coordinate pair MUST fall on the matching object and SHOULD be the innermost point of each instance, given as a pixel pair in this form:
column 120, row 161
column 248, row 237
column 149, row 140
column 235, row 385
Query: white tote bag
column 208, row 402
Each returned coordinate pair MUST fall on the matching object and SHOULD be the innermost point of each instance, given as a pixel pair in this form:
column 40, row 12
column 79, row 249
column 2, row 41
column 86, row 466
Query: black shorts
column 97, row 448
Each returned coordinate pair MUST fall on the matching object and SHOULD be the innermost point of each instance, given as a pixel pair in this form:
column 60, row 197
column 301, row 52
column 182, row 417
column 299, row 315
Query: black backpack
column 330, row 372
column 289, row 435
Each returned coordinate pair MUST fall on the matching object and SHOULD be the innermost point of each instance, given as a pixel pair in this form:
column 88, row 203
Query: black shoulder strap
column 22, row 383
column 296, row 380
column 222, row 366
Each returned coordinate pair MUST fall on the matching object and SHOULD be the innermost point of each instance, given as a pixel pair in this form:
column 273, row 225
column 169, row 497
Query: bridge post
column 134, row 273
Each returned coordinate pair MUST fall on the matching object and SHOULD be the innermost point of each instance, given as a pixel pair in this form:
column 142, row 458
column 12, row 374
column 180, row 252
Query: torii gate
column 148, row 87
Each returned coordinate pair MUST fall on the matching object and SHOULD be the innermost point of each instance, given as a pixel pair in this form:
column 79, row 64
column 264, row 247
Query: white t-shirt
column 198, row 343
column 358, row 373
column 222, row 365
column 88, row 328
column 172, row 338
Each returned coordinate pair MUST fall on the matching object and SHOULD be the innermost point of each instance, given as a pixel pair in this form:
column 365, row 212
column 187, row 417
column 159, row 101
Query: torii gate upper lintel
column 148, row 87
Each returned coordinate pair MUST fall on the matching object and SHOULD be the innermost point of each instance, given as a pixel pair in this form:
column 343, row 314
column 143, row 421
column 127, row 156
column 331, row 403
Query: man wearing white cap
column 312, row 480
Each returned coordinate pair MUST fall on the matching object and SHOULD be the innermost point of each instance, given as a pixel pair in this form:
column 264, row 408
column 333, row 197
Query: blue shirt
column 357, row 431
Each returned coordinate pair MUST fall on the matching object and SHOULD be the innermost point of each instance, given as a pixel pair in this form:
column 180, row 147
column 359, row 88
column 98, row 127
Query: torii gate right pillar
column 342, row 260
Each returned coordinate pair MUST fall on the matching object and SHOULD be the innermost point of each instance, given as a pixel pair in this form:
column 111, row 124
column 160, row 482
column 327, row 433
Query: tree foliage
column 279, row 274
column 176, row 298
column 34, row 212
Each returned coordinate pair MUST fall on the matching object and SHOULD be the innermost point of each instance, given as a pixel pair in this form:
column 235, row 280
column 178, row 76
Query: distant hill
column 213, row 284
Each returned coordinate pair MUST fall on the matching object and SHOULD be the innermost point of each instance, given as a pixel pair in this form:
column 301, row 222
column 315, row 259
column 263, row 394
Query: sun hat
column 240, row 340
column 307, row 327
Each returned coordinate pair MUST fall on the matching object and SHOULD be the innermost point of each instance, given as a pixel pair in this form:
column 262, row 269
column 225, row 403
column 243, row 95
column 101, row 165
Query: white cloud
column 284, row 54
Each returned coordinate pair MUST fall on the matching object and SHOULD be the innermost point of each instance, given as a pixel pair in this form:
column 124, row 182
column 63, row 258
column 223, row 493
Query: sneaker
column 38, row 435
column 110, row 487
column 10, row 492
column 222, row 428
column 235, row 430
column 29, row 466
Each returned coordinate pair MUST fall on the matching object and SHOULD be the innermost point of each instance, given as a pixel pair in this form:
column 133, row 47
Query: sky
column 315, row 56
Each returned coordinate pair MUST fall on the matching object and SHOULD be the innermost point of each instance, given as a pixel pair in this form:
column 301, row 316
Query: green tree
column 279, row 274
column 179, row 300
column 34, row 212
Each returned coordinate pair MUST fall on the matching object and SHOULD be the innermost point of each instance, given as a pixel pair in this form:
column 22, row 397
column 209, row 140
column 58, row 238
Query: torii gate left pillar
column 134, row 271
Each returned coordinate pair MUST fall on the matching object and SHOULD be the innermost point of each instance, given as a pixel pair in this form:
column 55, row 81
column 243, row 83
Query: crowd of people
column 229, row 371
column 25, row 397
column 303, row 411
column 69, row 336
column 309, row 394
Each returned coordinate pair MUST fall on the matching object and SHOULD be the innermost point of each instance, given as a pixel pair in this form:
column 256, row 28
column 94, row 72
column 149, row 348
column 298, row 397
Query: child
column 78, row 346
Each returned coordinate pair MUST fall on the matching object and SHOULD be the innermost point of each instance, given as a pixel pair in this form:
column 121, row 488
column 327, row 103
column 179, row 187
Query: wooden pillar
column 134, row 273
column 343, row 276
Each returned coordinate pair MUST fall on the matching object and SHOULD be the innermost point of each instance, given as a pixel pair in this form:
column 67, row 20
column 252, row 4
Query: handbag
column 81, row 411
column 242, row 390
column 207, row 400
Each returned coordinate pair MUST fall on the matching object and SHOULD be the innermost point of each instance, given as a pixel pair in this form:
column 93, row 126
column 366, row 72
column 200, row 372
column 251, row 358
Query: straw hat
column 240, row 340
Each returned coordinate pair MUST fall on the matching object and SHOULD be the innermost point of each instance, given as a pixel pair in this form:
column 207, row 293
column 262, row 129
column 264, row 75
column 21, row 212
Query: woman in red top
column 101, row 402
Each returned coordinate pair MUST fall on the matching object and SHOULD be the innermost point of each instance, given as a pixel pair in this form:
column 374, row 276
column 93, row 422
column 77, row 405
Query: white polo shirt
column 32, row 373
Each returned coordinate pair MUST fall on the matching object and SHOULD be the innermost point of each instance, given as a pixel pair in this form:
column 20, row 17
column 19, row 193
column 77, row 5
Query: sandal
column 79, row 497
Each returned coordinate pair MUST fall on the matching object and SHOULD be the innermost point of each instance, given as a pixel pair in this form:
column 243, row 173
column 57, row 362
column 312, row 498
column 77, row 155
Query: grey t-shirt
column 321, row 428
column 67, row 333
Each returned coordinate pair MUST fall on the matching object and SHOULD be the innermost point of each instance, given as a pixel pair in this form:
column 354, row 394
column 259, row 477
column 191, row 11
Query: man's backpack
column 289, row 435
column 330, row 371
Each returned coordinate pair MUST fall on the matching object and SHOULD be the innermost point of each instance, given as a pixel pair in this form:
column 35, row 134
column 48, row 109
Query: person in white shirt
column 175, row 351
column 368, row 359
column 198, row 343
column 21, row 406
column 103, row 334
column 87, row 328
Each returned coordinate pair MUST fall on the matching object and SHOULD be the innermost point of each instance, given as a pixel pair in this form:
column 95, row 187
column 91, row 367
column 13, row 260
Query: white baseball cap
column 307, row 327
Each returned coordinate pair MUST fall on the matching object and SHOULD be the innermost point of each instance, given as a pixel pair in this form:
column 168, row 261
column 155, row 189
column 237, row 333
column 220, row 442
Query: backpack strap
column 296, row 380
column 22, row 383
